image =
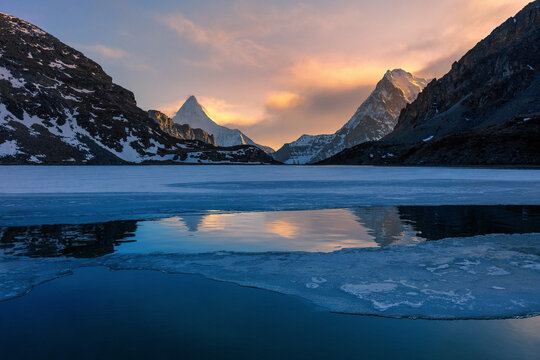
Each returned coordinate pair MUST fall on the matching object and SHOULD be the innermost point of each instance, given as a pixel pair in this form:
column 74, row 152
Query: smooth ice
column 78, row 194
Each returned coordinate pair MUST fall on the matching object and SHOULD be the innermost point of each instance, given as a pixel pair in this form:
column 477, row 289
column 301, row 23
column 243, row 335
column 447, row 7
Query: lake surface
column 429, row 243
column 308, row 230
column 99, row 314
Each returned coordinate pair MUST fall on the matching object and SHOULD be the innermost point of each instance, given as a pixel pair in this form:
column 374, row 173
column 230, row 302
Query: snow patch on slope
column 5, row 74
column 9, row 148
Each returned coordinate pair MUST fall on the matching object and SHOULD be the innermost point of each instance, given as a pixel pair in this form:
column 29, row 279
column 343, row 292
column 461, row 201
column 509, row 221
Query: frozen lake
column 33, row 195
column 434, row 243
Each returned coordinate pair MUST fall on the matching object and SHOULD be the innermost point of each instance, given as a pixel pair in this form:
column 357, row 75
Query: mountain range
column 59, row 107
column 485, row 110
column 194, row 114
column 375, row 118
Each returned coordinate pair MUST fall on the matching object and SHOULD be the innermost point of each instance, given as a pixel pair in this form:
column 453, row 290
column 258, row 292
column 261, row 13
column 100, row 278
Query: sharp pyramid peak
column 192, row 98
column 193, row 105
column 192, row 101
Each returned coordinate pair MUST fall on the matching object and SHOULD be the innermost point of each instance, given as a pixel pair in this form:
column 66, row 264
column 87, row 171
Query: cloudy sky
column 274, row 69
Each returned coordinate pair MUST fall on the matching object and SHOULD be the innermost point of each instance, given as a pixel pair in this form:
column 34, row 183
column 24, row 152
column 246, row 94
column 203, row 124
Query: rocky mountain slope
column 194, row 114
column 375, row 118
column 59, row 107
column 180, row 131
column 485, row 111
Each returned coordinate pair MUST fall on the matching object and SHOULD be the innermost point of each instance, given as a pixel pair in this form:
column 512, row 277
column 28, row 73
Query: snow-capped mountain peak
column 406, row 82
column 375, row 118
column 195, row 115
column 194, row 108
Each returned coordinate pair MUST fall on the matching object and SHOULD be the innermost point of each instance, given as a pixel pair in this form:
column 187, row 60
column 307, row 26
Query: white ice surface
column 74, row 194
column 182, row 179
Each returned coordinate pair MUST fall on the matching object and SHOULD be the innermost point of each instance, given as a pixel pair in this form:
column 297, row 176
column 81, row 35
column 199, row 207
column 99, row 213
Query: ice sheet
column 75, row 194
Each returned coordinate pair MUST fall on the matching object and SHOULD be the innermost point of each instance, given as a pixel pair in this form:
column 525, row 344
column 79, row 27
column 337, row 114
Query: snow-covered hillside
column 195, row 115
column 59, row 107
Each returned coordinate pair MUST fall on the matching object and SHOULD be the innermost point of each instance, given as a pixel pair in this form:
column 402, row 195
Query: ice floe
column 430, row 280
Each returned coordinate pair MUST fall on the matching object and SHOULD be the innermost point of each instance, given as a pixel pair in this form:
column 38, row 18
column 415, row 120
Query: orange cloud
column 283, row 100
column 225, row 113
column 330, row 74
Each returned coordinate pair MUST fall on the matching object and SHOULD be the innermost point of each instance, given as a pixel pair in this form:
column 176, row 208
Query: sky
column 273, row 69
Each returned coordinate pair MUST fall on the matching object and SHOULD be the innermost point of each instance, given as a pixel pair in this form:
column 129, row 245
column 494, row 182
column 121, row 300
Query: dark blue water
column 103, row 314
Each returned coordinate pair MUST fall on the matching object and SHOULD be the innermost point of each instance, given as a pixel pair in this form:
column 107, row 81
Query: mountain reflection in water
column 313, row 230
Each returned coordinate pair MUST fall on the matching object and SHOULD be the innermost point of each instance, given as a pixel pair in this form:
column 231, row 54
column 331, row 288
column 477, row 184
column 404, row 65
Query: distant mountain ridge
column 59, row 107
column 485, row 110
column 195, row 115
column 375, row 118
column 303, row 150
